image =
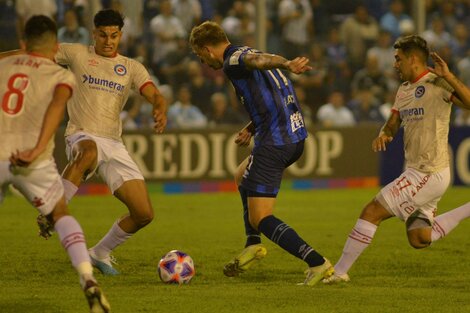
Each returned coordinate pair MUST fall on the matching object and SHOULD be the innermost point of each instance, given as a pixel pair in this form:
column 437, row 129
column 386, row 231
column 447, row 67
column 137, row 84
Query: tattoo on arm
column 264, row 61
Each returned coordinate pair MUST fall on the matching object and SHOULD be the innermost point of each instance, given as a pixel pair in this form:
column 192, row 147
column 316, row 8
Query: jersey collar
column 420, row 76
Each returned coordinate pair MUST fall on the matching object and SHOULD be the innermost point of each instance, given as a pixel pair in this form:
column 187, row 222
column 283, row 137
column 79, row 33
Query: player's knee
column 371, row 213
column 143, row 220
column 419, row 242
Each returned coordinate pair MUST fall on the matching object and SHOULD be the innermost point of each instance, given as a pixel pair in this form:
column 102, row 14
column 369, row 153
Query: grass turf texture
column 390, row 276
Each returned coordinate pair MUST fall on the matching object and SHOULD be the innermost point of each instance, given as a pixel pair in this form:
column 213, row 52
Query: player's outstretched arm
column 387, row 132
column 462, row 91
column 153, row 95
column 52, row 118
column 265, row 61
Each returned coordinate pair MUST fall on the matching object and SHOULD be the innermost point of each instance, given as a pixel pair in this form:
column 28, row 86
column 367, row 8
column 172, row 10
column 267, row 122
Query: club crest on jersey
column 120, row 70
column 419, row 92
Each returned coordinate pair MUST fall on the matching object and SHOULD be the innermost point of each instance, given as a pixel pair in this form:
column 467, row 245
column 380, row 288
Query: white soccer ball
column 176, row 267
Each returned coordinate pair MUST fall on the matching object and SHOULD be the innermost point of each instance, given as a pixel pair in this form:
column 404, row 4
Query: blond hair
column 207, row 33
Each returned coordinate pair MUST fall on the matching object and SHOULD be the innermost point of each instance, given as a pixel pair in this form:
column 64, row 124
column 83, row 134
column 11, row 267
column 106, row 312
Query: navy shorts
column 266, row 164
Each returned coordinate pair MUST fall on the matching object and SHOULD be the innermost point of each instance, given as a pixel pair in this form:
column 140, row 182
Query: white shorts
column 41, row 185
column 415, row 194
column 114, row 164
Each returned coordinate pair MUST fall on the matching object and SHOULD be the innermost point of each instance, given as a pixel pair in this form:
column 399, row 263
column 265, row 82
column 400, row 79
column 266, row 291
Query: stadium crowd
column 349, row 44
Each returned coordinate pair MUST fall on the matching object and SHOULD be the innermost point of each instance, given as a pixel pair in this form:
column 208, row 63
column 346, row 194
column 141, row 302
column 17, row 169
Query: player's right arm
column 244, row 136
column 52, row 118
column 387, row 132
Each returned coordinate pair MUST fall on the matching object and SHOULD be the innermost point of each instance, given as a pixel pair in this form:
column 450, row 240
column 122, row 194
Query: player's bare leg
column 134, row 195
column 83, row 161
column 254, row 250
column 73, row 241
column 359, row 239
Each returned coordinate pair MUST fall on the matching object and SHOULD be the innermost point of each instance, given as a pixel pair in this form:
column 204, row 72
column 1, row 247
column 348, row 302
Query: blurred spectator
column 335, row 113
column 8, row 31
column 239, row 23
column 150, row 9
column 129, row 30
column 371, row 77
column 460, row 43
column 62, row 8
column 447, row 13
column 201, row 88
column 315, row 82
column 386, row 107
column 365, row 107
column 188, row 12
column 462, row 117
column 307, row 111
column 183, row 114
column 437, row 37
column 173, row 67
column 207, row 10
column 463, row 69
column 395, row 17
column 27, row 8
column 167, row 30
column 384, row 53
column 340, row 73
column 222, row 113
column 72, row 32
column 296, row 22
column 358, row 33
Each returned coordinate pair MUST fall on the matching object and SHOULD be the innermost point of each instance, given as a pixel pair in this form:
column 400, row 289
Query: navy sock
column 253, row 236
column 284, row 236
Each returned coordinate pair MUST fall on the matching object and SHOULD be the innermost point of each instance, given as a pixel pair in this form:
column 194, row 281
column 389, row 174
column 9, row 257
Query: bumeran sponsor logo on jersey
column 412, row 114
column 102, row 84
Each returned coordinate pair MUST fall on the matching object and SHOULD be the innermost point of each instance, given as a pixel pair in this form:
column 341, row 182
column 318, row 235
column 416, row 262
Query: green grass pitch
column 390, row 276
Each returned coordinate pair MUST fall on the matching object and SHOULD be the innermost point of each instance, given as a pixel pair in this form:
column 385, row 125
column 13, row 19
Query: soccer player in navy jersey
column 279, row 133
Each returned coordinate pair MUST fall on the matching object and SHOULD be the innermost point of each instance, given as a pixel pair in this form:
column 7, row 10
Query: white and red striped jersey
column 424, row 107
column 103, row 88
column 27, row 85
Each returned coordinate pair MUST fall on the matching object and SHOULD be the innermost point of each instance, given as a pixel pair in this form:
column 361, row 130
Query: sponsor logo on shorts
column 120, row 70
column 419, row 92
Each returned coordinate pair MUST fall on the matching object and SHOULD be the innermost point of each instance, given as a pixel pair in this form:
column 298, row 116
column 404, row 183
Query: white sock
column 111, row 240
column 69, row 189
column 73, row 240
column 445, row 223
column 359, row 239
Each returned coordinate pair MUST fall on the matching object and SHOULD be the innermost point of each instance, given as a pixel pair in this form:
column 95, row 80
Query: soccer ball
column 176, row 267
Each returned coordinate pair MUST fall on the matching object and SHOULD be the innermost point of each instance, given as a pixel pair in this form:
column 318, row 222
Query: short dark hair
column 108, row 17
column 37, row 26
column 207, row 33
column 413, row 43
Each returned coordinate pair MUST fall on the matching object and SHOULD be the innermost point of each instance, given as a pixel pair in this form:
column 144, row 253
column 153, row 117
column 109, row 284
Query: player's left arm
column 462, row 93
column 153, row 96
column 266, row 61
column 52, row 118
